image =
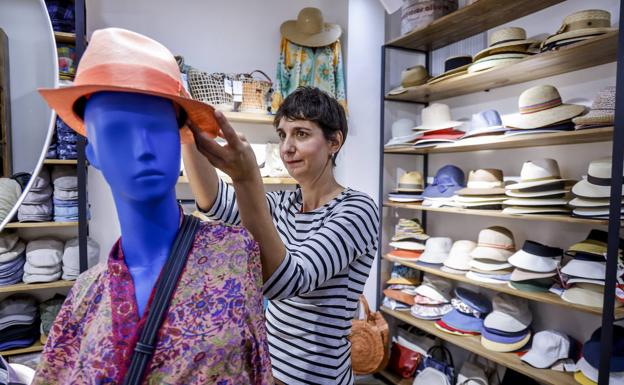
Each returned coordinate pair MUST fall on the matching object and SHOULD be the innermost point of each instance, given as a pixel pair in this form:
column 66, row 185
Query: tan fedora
column 538, row 172
column 411, row 77
column 509, row 39
column 310, row 30
column 585, row 23
column 541, row 106
column 484, row 181
column 411, row 181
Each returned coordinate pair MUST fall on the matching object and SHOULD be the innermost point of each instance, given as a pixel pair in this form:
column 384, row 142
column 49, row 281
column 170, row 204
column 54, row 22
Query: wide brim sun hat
column 509, row 39
column 497, row 60
column 310, row 30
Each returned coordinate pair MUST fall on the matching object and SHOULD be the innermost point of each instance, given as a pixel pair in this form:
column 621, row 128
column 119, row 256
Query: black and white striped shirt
column 314, row 292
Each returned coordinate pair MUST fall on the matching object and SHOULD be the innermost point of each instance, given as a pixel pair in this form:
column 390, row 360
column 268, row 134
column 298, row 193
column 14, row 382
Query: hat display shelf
column 475, row 18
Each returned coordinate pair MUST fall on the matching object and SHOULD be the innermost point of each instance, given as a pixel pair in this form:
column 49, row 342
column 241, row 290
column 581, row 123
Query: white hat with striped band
column 541, row 106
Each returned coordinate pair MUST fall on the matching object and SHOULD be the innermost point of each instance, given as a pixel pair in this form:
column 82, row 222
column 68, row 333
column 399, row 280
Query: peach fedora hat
column 124, row 61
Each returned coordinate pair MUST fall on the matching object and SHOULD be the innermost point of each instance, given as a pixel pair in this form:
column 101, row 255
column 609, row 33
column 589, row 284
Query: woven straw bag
column 369, row 342
column 256, row 92
column 209, row 87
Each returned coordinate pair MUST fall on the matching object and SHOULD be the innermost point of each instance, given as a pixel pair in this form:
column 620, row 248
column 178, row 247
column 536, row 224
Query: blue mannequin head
column 134, row 140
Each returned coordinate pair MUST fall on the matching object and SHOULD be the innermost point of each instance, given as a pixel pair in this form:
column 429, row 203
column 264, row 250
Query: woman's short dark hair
column 315, row 105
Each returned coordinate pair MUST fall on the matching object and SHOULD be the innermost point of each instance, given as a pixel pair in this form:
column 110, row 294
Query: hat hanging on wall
column 310, row 29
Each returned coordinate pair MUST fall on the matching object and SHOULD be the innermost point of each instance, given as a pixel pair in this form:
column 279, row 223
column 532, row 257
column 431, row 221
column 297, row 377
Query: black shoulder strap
column 162, row 297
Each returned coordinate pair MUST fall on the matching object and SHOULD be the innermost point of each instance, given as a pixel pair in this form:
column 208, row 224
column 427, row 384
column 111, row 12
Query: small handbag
column 403, row 360
column 257, row 93
column 369, row 342
column 440, row 358
column 209, row 87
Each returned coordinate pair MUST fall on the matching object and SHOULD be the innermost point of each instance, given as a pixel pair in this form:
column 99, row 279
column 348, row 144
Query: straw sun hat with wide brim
column 582, row 23
column 310, row 30
column 541, row 106
column 119, row 60
column 505, row 40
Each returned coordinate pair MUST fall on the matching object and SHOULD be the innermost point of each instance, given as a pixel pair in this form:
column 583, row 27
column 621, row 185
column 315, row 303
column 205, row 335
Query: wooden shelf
column 468, row 21
column 549, row 298
column 473, row 344
column 393, row 378
column 589, row 53
column 521, row 141
column 248, row 117
column 23, row 287
column 37, row 347
column 60, row 161
column 65, row 37
column 24, row 225
column 266, row 181
column 499, row 214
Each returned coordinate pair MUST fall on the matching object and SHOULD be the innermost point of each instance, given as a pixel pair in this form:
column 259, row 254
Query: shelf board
column 37, row 347
column 499, row 214
column 473, row 344
column 589, row 53
column 23, row 225
column 549, row 298
column 65, row 37
column 248, row 117
column 393, row 378
column 23, row 287
column 60, row 161
column 266, row 181
column 468, row 21
column 602, row 134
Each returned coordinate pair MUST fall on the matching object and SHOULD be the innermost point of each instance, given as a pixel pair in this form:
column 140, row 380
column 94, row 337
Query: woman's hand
column 236, row 158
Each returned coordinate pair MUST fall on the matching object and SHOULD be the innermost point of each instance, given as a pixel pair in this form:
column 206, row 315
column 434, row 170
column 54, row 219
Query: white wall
column 576, row 87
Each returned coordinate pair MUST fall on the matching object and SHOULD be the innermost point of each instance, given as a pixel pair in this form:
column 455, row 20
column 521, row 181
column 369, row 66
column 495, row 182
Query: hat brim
column 494, row 63
column 64, row 101
column 403, row 139
column 403, row 281
column 488, row 267
column 429, row 292
column 397, row 91
column 585, row 32
column 536, row 194
column 535, row 183
column 329, row 34
column 531, row 202
column 438, row 127
column 531, row 262
column 520, row 210
column 539, row 359
column 505, row 322
column 588, row 246
column 504, row 348
column 584, row 297
column 462, row 322
column 411, row 246
column 544, row 118
column 477, row 278
column 585, row 189
column 448, row 74
column 585, row 269
column 453, row 270
column 481, row 191
column 521, row 46
column 606, row 117
column 519, row 275
column 483, row 252
column 485, row 131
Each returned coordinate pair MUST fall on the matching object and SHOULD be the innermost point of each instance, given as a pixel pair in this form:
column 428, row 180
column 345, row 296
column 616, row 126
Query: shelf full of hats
column 500, row 329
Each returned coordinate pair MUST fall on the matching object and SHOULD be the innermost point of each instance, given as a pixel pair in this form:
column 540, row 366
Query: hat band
column 533, row 108
column 540, row 250
column 462, row 307
column 410, row 185
column 554, row 177
column 484, row 184
column 495, row 246
column 605, row 182
column 505, row 41
column 585, row 24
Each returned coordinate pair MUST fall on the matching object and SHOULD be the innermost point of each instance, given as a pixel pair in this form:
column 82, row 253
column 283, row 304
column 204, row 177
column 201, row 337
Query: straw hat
column 486, row 181
column 124, row 61
column 589, row 22
column 411, row 77
column 602, row 110
column 541, row 106
column 538, row 172
column 496, row 60
column 510, row 39
column 411, row 181
column 453, row 66
column 310, row 30
column 437, row 116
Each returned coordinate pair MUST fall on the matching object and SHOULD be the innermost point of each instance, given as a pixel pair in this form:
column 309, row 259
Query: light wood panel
column 65, row 37
column 24, row 287
column 589, row 53
column 468, row 21
column 473, row 344
column 37, row 347
column 61, row 161
column 248, row 117
column 33, row 225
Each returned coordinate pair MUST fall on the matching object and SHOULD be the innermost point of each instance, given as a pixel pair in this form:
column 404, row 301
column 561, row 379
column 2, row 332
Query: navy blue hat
column 463, row 322
column 476, row 301
column 447, row 181
column 591, row 349
column 504, row 333
column 503, row 339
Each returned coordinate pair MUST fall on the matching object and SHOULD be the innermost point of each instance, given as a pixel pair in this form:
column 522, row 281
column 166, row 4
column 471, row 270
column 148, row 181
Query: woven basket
column 369, row 342
column 256, row 93
column 209, row 87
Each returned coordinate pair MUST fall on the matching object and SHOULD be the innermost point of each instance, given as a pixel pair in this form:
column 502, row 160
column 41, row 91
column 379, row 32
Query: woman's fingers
column 205, row 144
column 229, row 134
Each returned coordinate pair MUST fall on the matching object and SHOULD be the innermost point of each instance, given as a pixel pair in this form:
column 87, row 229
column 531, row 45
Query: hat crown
column 485, row 178
column 411, row 177
column 514, row 306
column 463, row 246
column 435, row 114
column 496, row 236
column 551, row 341
column 485, row 119
column 402, row 127
column 413, row 75
column 589, row 18
column 600, row 168
column 456, row 61
column 538, row 98
column 310, row 20
column 449, row 175
column 439, row 244
column 508, row 34
column 605, row 100
column 541, row 169
column 440, row 285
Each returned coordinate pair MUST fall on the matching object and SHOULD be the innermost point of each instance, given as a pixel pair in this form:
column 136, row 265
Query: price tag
column 227, row 85
column 238, row 87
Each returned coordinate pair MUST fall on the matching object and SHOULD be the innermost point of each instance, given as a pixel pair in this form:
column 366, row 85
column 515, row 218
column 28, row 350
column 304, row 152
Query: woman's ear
column 336, row 142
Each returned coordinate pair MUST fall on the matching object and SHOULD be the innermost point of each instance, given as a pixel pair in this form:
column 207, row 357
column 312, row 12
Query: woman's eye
column 302, row 134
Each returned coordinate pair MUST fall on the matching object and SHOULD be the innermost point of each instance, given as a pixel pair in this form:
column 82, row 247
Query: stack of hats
column 542, row 111
column 399, row 295
column 579, row 26
column 485, row 190
column 48, row 311
column 66, row 141
column 541, row 190
column 437, row 250
column 506, row 328
column 535, row 267
column 408, row 240
column 601, row 113
column 453, row 67
column 71, row 257
column 448, row 180
column 433, row 298
column 489, row 259
column 44, row 257
column 12, row 258
column 592, row 193
column 62, row 15
column 65, row 183
column 19, row 322
column 403, row 133
column 411, row 77
column 10, row 191
column 437, row 126
column 485, row 123
column 37, row 205
column 549, row 347
column 410, row 188
column 466, row 318
column 458, row 261
column 507, row 46
column 589, row 364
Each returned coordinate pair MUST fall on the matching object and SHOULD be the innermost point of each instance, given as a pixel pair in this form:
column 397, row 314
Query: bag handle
column 262, row 72
column 448, row 358
column 366, row 307
column 165, row 288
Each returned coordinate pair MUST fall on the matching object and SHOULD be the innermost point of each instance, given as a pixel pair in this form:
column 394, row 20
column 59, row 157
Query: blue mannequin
column 134, row 140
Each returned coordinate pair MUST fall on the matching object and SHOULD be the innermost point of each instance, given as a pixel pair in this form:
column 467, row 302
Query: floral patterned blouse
column 305, row 66
column 213, row 333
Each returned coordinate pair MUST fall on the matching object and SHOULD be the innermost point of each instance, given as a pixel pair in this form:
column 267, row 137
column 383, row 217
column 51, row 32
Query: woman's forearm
column 202, row 176
column 256, row 217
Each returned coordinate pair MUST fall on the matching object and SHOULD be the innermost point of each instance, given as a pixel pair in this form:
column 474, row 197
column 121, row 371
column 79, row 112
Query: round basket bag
column 369, row 342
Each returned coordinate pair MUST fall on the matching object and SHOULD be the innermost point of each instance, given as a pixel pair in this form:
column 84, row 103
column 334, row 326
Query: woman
column 317, row 243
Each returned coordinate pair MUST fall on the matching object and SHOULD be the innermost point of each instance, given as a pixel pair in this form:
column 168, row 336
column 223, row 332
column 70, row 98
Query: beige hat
column 509, row 39
column 310, row 30
column 602, row 110
column 521, row 210
column 484, row 181
column 495, row 243
column 411, row 181
column 582, row 23
column 437, row 116
column 538, row 172
column 503, row 348
column 459, row 256
column 541, row 106
column 586, row 294
column 519, row 275
column 411, row 77
column 597, row 183
column 497, row 60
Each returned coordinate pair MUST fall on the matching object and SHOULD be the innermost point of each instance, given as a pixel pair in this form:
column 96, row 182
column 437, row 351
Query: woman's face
column 304, row 149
